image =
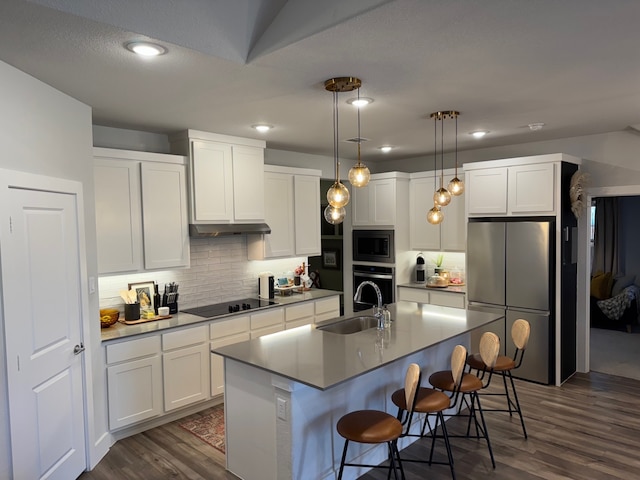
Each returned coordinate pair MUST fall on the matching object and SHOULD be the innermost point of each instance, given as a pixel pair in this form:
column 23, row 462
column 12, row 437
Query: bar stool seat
column 428, row 400
column 502, row 363
column 369, row 426
column 444, row 381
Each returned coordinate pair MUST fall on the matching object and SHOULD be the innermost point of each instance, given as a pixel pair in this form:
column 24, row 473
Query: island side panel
column 250, row 422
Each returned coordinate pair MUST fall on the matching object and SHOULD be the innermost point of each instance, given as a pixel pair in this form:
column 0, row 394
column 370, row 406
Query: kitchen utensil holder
column 132, row 311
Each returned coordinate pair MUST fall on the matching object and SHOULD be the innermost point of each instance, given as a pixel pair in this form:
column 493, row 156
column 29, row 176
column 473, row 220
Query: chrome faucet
column 378, row 313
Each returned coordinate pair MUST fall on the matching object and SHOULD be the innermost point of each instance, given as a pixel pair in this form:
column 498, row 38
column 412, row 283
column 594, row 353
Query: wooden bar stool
column 520, row 332
column 461, row 385
column 375, row 426
column 429, row 402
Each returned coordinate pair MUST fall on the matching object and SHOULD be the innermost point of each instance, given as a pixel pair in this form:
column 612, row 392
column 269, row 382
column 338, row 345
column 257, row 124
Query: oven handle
column 373, row 275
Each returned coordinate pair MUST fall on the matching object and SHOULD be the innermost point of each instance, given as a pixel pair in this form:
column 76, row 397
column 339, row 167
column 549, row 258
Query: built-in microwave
column 373, row 246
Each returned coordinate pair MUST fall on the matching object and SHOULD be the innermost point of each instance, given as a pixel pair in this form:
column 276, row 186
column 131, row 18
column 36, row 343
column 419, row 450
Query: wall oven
column 373, row 246
column 383, row 277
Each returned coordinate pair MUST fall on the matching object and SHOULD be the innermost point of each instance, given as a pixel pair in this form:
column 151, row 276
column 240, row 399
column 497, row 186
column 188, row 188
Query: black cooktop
column 217, row 309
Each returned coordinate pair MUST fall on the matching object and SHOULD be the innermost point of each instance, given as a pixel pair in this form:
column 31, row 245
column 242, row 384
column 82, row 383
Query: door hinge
column 10, row 224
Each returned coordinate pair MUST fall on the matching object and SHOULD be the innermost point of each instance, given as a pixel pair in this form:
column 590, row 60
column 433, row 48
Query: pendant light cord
column 435, row 153
column 359, row 138
column 456, row 174
column 441, row 116
column 335, row 135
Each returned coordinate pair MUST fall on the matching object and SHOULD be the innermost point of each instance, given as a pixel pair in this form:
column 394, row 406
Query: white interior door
column 42, row 313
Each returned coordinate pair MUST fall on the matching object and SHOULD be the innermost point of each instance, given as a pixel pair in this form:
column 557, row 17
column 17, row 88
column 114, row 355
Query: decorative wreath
column 577, row 192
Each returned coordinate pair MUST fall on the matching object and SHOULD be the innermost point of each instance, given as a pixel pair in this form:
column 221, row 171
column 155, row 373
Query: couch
column 614, row 301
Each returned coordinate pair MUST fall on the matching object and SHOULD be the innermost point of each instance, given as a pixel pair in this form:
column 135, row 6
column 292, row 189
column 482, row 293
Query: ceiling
column 573, row 65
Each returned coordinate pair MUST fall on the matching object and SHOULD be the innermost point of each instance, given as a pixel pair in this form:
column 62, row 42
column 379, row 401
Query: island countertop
column 322, row 359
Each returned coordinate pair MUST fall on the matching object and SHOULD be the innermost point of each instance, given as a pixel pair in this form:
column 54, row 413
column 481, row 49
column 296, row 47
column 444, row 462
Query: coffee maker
column 266, row 285
column 421, row 273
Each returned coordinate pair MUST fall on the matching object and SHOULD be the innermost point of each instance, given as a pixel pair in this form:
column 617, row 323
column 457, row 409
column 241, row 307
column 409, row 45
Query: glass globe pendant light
column 442, row 196
column 359, row 174
column 338, row 195
column 456, row 186
column 435, row 215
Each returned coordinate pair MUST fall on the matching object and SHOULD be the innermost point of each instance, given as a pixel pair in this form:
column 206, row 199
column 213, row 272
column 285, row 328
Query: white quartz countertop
column 180, row 319
column 323, row 359
column 423, row 286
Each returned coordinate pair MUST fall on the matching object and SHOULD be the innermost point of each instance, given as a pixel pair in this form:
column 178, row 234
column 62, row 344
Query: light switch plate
column 282, row 408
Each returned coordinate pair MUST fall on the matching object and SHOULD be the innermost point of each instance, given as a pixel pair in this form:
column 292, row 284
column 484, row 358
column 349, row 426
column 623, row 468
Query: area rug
column 207, row 425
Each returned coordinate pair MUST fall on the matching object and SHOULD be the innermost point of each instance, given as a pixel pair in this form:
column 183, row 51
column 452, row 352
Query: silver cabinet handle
column 78, row 349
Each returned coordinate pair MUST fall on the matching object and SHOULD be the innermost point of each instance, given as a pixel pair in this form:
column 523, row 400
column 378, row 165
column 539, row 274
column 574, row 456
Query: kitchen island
column 285, row 392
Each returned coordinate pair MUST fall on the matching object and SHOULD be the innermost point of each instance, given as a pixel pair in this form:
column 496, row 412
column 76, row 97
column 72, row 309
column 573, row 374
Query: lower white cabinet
column 185, row 367
column 299, row 315
column 327, row 308
column 223, row 333
column 267, row 322
column 134, row 381
column 432, row 297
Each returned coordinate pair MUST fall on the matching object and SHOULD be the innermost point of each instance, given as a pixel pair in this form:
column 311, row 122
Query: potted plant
column 439, row 270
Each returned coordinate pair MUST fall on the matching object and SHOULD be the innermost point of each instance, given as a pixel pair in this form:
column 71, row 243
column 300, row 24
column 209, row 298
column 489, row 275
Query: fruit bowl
column 108, row 316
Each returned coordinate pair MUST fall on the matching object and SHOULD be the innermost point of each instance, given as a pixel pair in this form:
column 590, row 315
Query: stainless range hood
column 220, row 229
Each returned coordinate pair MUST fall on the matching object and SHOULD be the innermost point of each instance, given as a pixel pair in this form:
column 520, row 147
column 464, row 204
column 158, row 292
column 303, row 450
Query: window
column 592, row 223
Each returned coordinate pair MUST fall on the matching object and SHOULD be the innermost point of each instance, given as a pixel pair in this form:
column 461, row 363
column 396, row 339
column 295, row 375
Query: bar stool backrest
column 489, row 349
column 458, row 359
column 520, row 333
column 411, row 385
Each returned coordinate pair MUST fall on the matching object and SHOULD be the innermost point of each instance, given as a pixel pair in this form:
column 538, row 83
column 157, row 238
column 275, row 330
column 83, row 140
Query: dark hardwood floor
column 587, row 429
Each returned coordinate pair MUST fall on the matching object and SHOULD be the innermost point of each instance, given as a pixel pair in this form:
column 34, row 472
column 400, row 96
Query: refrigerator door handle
column 528, row 310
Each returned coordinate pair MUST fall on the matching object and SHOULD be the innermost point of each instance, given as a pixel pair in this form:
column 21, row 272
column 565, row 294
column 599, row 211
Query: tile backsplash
column 219, row 272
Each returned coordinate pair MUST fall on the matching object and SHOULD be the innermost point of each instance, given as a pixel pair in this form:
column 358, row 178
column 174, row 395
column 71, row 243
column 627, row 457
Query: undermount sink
column 351, row 325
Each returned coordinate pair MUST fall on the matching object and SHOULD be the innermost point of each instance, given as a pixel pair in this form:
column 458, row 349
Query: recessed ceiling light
column 360, row 102
column 386, row 148
column 479, row 133
column 146, row 49
column 262, row 128
column 536, row 126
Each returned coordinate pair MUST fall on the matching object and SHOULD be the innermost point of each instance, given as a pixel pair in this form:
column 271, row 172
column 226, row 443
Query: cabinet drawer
column 413, row 295
column 267, row 331
column 230, row 326
column 131, row 349
column 296, row 312
column 183, row 338
column 299, row 322
column 327, row 305
column 455, row 300
column 267, row 319
column 327, row 316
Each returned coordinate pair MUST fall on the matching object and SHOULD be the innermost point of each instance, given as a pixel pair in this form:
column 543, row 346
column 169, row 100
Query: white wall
column 46, row 132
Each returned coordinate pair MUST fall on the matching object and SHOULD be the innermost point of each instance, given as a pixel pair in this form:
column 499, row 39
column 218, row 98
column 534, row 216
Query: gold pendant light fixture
column 456, row 186
column 435, row 215
column 338, row 194
column 359, row 174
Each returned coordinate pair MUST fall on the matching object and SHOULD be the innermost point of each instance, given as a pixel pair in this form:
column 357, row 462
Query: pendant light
column 456, row 186
column 359, row 174
column 442, row 196
column 338, row 194
column 435, row 215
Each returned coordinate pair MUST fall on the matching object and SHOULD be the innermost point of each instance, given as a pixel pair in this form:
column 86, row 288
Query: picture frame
column 330, row 259
column 145, row 292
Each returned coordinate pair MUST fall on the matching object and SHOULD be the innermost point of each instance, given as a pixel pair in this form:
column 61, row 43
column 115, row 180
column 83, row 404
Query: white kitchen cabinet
column 226, row 179
column 517, row 186
column 381, row 201
column 141, row 211
column 327, row 308
column 450, row 235
column 118, row 215
column 267, row 322
column 432, row 296
column 134, row 381
column 292, row 211
column 222, row 333
column 165, row 221
column 299, row 314
column 185, row 367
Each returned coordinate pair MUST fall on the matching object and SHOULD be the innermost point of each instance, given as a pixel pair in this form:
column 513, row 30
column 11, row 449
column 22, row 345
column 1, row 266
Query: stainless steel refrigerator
column 510, row 270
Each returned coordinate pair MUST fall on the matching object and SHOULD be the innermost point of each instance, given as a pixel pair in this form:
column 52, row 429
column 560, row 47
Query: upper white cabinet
column 450, row 235
column 141, row 210
column 292, row 211
column 516, row 186
column 226, row 180
column 382, row 201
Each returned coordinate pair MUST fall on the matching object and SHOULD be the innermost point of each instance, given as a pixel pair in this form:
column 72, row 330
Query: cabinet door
column 361, row 205
column 409, row 294
column 164, row 220
column 248, row 184
column 487, row 191
column 423, row 235
column 186, row 376
column 531, row 188
column 384, row 201
column 134, row 391
column 211, row 179
column 217, row 362
column 278, row 211
column 307, row 215
column 455, row 300
column 453, row 228
column 118, row 219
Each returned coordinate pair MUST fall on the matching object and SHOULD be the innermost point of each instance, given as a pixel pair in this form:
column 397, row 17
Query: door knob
column 78, row 349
